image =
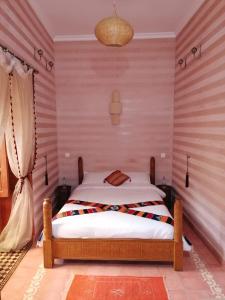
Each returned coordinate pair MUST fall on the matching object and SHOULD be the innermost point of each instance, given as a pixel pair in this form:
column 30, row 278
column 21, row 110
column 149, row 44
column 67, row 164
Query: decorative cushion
column 116, row 178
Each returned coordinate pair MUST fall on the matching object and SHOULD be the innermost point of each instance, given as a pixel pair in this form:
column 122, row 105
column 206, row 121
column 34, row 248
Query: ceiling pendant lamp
column 114, row 31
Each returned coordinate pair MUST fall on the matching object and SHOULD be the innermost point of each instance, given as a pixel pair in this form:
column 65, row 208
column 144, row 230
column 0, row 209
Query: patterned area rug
column 117, row 287
column 9, row 262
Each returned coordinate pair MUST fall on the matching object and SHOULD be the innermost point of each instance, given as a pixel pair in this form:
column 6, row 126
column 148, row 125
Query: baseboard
column 197, row 229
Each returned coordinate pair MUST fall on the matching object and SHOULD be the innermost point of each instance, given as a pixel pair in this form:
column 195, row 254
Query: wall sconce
column 182, row 63
column 115, row 108
column 39, row 55
column 49, row 65
column 195, row 52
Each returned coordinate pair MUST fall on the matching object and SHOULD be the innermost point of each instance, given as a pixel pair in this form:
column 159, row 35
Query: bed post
column 152, row 170
column 178, row 231
column 47, row 243
column 80, row 170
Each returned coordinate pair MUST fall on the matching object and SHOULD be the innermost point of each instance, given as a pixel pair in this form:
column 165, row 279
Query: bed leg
column 178, row 231
column 47, row 244
column 48, row 258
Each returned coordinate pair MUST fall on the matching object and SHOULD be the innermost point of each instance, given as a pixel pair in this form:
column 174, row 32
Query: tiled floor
column 201, row 279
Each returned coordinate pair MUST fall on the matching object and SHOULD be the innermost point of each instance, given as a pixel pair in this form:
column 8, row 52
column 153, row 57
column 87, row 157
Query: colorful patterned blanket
column 124, row 208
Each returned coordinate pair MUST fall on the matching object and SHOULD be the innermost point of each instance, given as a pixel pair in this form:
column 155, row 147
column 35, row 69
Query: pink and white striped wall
column 199, row 123
column 86, row 75
column 21, row 31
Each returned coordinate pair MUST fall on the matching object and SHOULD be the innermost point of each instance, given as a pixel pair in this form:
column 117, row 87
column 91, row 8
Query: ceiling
column 76, row 19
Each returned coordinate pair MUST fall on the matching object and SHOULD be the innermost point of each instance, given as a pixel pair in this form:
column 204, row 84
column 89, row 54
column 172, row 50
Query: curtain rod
column 5, row 49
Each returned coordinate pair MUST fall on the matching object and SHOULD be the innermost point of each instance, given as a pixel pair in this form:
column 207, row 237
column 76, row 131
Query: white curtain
column 4, row 94
column 19, row 135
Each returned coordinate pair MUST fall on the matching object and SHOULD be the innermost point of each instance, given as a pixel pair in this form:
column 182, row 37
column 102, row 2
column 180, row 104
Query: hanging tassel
column 187, row 174
column 187, row 180
column 46, row 170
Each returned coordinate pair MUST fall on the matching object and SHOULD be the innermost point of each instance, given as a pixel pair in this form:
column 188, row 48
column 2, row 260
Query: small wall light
column 115, row 108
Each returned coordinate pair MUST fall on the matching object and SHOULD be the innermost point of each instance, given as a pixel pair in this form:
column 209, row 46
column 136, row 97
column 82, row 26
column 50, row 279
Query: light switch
column 67, row 154
column 163, row 155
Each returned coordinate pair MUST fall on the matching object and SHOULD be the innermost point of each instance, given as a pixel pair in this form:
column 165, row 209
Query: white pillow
column 95, row 177
column 139, row 177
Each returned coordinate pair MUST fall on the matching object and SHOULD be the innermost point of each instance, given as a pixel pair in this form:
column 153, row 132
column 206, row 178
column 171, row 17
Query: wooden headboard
column 81, row 170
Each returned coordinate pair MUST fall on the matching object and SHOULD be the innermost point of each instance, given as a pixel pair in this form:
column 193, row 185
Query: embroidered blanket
column 124, row 208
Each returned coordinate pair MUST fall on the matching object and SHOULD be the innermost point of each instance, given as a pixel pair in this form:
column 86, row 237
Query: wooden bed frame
column 113, row 249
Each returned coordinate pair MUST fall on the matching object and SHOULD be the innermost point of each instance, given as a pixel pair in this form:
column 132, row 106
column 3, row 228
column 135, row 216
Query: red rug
column 117, row 287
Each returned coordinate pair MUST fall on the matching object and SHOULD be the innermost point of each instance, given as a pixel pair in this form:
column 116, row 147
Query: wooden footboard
column 113, row 249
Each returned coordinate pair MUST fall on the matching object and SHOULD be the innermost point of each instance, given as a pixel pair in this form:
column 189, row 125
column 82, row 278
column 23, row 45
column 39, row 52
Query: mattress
column 113, row 224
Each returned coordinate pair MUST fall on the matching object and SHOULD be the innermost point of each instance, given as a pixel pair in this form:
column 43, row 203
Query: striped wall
column 199, row 123
column 86, row 75
column 21, row 31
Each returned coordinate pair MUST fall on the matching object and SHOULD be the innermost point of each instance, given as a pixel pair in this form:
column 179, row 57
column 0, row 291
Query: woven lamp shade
column 114, row 31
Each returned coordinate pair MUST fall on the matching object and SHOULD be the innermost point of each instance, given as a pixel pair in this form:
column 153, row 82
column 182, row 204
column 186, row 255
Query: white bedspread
column 112, row 224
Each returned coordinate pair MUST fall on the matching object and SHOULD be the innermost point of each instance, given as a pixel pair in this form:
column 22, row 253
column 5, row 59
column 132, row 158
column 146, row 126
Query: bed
column 93, row 239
